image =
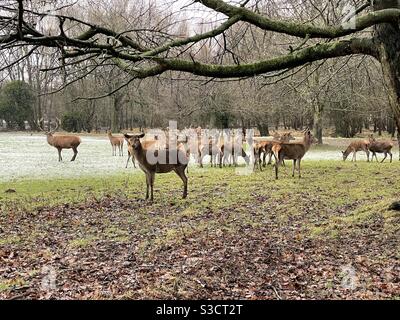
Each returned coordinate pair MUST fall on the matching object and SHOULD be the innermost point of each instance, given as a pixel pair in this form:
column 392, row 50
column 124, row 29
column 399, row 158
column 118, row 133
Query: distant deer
column 358, row 145
column 140, row 152
column 382, row 146
column 292, row 151
column 116, row 142
column 61, row 141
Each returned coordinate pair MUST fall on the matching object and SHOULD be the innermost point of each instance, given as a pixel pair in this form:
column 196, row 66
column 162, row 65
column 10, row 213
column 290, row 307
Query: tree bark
column 115, row 117
column 387, row 39
column 318, row 121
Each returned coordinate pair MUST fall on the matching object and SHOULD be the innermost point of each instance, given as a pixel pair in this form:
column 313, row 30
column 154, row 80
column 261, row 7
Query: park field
column 328, row 235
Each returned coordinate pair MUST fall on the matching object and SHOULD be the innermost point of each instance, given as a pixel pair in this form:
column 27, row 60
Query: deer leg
column 180, row 171
column 152, row 176
column 390, row 153
column 294, row 166
column 264, row 157
column 122, row 150
column 298, row 163
column 147, row 185
column 276, row 168
column 385, row 156
column 129, row 157
column 201, row 160
column 133, row 161
column 367, row 152
column 270, row 157
column 59, row 154
column 75, row 153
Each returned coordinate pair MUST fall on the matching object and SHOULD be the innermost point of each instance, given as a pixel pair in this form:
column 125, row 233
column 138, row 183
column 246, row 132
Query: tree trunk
column 263, row 128
column 318, row 112
column 387, row 39
column 115, row 117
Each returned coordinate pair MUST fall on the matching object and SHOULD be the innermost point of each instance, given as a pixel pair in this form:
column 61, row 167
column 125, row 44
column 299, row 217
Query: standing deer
column 61, row 141
column 141, row 150
column 292, row 151
column 232, row 149
column 130, row 154
column 383, row 146
column 265, row 147
column 358, row 145
column 116, row 142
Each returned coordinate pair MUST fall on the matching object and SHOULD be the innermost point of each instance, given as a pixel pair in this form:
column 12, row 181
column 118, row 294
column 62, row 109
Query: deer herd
column 157, row 155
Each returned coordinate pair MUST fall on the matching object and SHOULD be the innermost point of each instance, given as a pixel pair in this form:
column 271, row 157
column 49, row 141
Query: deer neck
column 50, row 139
column 140, row 154
column 307, row 143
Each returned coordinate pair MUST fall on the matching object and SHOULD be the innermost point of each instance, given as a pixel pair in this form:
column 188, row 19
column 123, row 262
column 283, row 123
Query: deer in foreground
column 116, row 142
column 292, row 151
column 383, row 146
column 141, row 151
column 358, row 145
column 61, row 142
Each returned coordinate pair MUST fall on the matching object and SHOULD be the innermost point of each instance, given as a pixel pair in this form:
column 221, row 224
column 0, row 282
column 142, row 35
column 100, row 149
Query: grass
column 332, row 201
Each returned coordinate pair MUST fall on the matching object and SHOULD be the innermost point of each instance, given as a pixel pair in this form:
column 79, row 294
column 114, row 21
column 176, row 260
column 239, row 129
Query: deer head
column 134, row 140
column 51, row 131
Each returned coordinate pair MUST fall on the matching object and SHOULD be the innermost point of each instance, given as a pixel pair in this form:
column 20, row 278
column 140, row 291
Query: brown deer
column 358, row 145
column 382, row 146
column 130, row 154
column 61, row 141
column 116, row 142
column 141, row 151
column 265, row 147
column 292, row 151
column 232, row 149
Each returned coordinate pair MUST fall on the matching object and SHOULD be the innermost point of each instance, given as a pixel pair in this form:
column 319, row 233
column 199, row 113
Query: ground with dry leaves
column 328, row 235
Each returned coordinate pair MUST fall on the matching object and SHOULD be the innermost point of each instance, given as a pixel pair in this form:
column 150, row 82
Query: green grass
column 333, row 199
column 363, row 190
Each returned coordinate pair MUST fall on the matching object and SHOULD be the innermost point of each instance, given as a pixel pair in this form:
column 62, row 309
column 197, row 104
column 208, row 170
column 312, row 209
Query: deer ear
column 141, row 135
column 127, row 136
column 342, row 152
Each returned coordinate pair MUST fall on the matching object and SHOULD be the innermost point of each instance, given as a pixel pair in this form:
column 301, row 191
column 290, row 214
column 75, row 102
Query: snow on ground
column 25, row 156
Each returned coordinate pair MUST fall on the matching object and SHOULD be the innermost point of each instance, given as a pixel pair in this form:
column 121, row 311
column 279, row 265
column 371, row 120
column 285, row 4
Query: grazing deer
column 292, row 151
column 116, row 142
column 61, row 141
column 141, row 150
column 358, row 145
column 383, row 146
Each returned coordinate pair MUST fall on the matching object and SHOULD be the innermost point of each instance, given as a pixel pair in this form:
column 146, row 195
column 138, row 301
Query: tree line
column 109, row 76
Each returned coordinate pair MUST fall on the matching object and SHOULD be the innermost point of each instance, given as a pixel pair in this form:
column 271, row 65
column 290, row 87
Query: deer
column 232, row 149
column 130, row 154
column 383, row 146
column 213, row 150
column 354, row 147
column 116, row 142
column 292, row 151
column 265, row 147
column 141, row 151
column 61, row 142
